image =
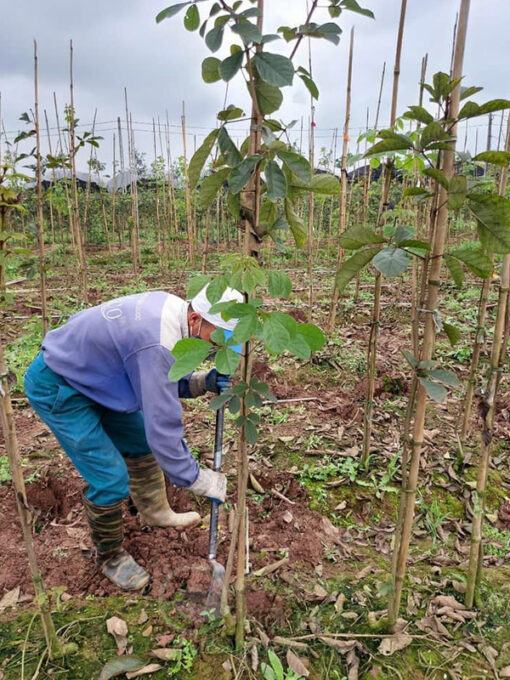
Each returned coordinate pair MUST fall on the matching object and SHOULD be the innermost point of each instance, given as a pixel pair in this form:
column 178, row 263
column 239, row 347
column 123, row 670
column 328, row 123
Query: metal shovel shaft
column 218, row 570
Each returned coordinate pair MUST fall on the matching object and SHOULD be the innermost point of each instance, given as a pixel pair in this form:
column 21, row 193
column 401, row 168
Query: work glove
column 212, row 485
column 216, row 382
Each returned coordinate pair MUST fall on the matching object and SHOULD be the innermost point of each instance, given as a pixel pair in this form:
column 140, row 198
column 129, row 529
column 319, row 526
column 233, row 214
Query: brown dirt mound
column 176, row 561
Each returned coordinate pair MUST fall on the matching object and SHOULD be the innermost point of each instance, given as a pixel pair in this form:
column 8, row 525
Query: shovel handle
column 215, row 505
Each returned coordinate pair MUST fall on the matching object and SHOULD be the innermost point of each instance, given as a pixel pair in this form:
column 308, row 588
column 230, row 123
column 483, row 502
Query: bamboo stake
column 66, row 187
column 39, row 199
column 376, row 310
column 25, row 517
column 114, row 192
column 156, row 181
column 50, row 196
column 429, row 333
column 134, row 199
column 311, row 197
column 89, row 180
column 343, row 184
column 187, row 192
column 487, row 410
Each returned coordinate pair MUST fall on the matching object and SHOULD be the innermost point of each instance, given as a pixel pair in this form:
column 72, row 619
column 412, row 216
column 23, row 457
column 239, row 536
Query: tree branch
column 301, row 36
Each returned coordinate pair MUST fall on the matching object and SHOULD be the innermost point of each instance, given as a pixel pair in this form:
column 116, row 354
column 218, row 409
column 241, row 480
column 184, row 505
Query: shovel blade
column 214, row 595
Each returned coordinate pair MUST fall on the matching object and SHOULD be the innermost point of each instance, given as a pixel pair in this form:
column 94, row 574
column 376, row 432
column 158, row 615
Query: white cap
column 202, row 306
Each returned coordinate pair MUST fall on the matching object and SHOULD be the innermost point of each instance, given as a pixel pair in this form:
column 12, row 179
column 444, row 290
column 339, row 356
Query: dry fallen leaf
column 343, row 646
column 166, row 654
column 146, row 670
column 448, row 601
column 339, row 604
column 296, row 664
column 10, row 599
column 394, row 643
column 505, row 672
column 287, row 516
column 147, row 632
column 165, row 639
column 353, row 665
column 143, row 618
column 118, row 628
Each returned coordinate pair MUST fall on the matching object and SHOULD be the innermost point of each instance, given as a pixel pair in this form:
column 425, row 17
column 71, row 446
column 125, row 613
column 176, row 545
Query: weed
column 5, row 470
column 498, row 541
column 434, row 516
column 22, row 351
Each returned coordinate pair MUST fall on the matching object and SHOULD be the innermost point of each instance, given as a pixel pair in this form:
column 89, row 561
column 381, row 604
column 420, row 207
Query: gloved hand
column 216, row 382
column 212, row 485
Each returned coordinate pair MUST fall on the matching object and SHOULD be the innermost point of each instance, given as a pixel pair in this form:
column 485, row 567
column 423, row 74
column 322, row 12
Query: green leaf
column 189, row 353
column 496, row 157
column 452, row 332
column 220, row 400
column 455, row 269
column 250, row 430
column 274, row 69
column 246, row 327
column 393, row 142
column 200, row 157
column 357, row 236
column 192, row 18
column 276, row 664
column 298, row 346
column 269, row 98
column 466, row 92
column 438, row 175
column 410, row 358
column 210, row 187
column 457, row 192
column 353, row 6
column 310, row 85
column 234, row 205
column 494, row 105
column 216, row 289
column 275, row 335
column 478, row 262
column 195, row 285
column 420, row 114
column 171, row 11
column 352, row 266
column 249, row 32
column 493, row 215
column 227, row 361
column 279, row 284
column 313, row 335
column 325, row 184
column 228, row 149
column 296, row 225
column 297, row 164
column 242, row 173
column 231, row 65
column 391, row 261
column 433, row 132
column 214, row 38
column 121, row 665
column 329, row 31
column 435, row 391
column 275, row 182
column 446, row 377
column 211, row 70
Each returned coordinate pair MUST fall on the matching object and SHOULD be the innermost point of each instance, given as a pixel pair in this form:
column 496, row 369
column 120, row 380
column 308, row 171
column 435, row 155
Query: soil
column 176, row 561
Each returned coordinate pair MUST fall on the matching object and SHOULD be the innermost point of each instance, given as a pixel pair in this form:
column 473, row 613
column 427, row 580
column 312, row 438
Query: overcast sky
column 118, row 44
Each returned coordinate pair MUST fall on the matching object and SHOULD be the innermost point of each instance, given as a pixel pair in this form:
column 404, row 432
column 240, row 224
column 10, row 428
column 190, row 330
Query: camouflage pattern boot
column 107, row 532
column 148, row 491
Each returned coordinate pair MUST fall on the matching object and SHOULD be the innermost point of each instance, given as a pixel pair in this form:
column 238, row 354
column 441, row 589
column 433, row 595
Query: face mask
column 197, row 334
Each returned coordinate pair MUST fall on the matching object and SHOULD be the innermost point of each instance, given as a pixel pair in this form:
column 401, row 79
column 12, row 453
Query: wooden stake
column 187, row 191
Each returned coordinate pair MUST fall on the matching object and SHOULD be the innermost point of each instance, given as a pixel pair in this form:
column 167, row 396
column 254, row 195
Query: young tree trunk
column 429, row 333
column 89, row 184
column 376, row 309
column 187, row 192
column 487, row 411
column 39, row 200
column 50, row 198
column 11, row 447
column 343, row 185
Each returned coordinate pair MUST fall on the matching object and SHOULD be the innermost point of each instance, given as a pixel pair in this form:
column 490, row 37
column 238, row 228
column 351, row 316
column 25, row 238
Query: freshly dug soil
column 176, row 561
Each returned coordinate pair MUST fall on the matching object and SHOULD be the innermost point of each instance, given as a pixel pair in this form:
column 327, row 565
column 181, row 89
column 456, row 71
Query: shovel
column 218, row 570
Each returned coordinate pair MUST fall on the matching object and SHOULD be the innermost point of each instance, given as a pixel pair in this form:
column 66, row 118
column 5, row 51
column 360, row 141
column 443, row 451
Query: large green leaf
column 192, row 18
column 230, row 113
column 457, row 191
column 357, row 236
column 121, row 665
column 231, row 65
column 435, row 391
column 275, row 335
column 275, row 182
column 171, row 11
column 269, row 98
column 455, row 269
column 296, row 225
column 471, row 109
column 249, row 32
column 211, row 70
column 446, row 377
column 452, row 332
column 391, row 261
column 310, row 85
column 274, row 69
column 227, row 361
column 297, row 164
column 496, row 157
column 392, row 142
column 241, row 173
column 195, row 285
column 214, row 38
column 352, row 266
column 228, row 149
column 420, row 114
column 433, row 132
column 493, row 215
column 200, row 157
column 313, row 335
column 325, row 184
column 189, row 353
column 438, row 175
column 478, row 262
column 210, row 186
column 246, row 327
column 279, row 284
column 353, row 6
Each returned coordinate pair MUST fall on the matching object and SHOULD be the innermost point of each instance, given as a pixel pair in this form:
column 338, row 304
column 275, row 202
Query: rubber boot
column 148, row 491
column 115, row 562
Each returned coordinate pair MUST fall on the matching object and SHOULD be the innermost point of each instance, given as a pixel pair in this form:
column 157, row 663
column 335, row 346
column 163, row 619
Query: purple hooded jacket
column 118, row 354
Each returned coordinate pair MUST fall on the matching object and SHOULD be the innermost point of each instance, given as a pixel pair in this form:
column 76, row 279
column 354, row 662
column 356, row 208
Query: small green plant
column 498, row 541
column 184, row 657
column 274, row 670
column 434, row 517
column 5, row 470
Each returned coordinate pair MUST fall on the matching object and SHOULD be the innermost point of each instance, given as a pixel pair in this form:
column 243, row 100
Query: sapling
column 266, row 179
